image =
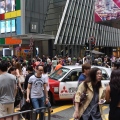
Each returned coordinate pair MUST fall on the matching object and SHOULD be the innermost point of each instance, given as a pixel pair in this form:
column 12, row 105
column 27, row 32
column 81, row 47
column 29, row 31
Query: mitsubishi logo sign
column 64, row 90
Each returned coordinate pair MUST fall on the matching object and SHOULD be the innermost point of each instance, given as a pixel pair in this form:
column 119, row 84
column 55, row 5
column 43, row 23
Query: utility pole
column 91, row 46
column 90, row 50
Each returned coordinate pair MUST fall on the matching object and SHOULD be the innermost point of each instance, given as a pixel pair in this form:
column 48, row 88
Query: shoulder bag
column 83, row 98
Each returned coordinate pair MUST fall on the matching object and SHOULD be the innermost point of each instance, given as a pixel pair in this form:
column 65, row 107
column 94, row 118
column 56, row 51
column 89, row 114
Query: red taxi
column 63, row 82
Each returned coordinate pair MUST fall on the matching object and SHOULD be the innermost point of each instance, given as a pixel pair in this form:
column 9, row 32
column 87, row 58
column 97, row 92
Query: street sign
column 31, row 49
column 31, row 40
column 26, row 51
column 31, row 44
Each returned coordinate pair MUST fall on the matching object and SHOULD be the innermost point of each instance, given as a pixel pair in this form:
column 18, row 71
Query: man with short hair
column 8, row 88
column 59, row 65
column 27, row 106
column 35, row 87
column 30, row 73
column 85, row 70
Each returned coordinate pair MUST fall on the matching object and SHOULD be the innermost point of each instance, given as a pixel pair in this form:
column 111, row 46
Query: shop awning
column 34, row 36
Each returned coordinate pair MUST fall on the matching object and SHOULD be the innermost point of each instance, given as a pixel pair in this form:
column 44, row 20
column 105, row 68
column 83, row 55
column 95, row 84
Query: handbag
column 21, row 79
column 83, row 98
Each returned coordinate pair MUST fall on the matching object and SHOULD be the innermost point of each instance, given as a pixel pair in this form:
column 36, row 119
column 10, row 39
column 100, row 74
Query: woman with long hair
column 113, row 95
column 18, row 68
column 19, row 74
column 21, row 80
column 90, row 109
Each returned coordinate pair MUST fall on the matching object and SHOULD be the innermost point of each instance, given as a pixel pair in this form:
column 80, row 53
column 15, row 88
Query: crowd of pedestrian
column 26, row 82
column 23, row 82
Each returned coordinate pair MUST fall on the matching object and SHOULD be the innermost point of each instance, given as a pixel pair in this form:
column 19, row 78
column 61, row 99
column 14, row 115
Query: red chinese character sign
column 31, row 45
column 106, row 10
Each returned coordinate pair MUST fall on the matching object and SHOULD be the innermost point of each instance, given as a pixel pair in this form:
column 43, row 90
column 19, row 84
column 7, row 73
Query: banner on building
column 107, row 10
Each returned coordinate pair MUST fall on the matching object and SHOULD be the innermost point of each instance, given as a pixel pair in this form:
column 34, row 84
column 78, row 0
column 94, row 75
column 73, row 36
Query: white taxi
column 63, row 82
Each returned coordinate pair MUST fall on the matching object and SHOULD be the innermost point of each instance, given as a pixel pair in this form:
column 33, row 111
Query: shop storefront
column 116, row 52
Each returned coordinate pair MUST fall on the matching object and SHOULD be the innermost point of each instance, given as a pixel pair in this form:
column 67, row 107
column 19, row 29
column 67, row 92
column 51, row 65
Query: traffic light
column 92, row 45
column 87, row 45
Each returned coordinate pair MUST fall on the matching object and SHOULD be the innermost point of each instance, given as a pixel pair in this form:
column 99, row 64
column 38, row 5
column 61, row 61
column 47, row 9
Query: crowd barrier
column 28, row 115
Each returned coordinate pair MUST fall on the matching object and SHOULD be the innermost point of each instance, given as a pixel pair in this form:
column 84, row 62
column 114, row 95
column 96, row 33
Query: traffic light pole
column 90, row 49
column 91, row 44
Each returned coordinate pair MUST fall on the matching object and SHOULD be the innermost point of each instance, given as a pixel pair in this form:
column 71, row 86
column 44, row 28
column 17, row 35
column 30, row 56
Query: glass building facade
column 35, row 11
column 74, row 24
column 53, row 16
column 78, row 25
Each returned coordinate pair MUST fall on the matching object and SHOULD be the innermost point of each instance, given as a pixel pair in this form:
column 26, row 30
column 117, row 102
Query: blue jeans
column 37, row 103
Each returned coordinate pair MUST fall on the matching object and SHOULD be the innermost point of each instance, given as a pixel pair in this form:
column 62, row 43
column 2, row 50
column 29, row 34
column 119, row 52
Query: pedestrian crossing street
column 66, row 110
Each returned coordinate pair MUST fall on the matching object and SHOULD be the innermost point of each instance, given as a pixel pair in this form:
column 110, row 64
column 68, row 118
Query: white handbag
column 21, row 79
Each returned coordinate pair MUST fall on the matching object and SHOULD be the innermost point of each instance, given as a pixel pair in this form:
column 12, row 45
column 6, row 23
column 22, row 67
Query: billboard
column 7, row 26
column 13, row 25
column 2, row 27
column 107, row 10
column 7, row 6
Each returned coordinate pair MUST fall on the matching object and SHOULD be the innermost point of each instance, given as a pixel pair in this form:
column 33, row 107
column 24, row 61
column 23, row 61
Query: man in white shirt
column 36, row 84
column 69, row 59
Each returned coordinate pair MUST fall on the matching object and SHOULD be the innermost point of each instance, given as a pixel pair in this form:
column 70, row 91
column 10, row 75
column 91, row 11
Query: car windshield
column 59, row 73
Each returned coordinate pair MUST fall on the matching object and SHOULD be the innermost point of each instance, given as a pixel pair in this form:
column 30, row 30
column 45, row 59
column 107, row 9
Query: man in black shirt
column 30, row 73
column 27, row 106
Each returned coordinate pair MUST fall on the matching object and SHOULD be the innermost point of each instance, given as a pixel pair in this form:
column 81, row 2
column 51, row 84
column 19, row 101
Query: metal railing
column 28, row 115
